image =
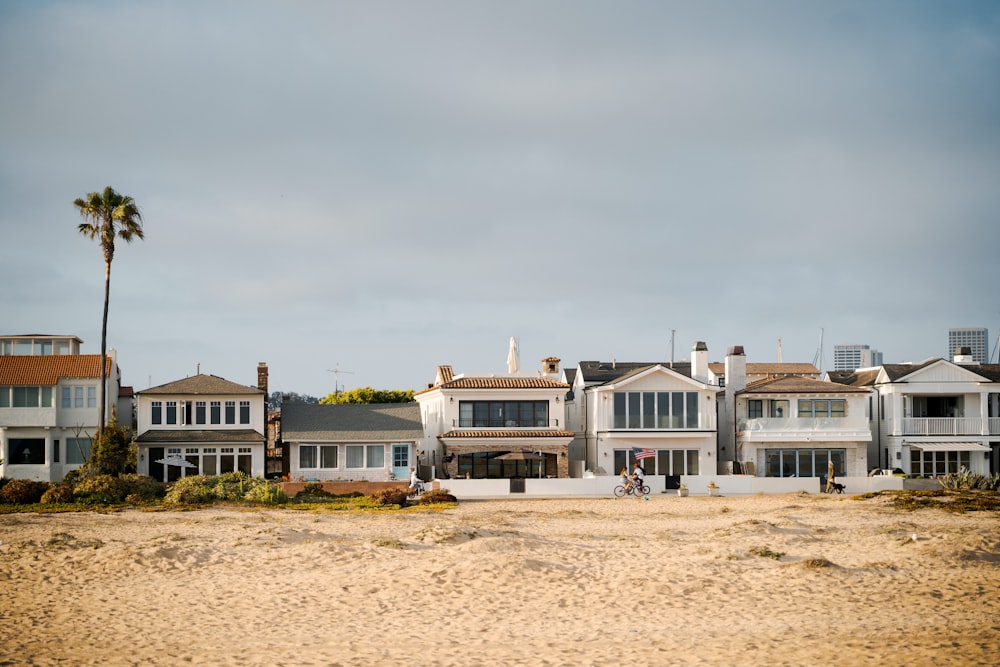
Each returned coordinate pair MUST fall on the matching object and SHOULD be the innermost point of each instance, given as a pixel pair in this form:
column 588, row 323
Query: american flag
column 643, row 453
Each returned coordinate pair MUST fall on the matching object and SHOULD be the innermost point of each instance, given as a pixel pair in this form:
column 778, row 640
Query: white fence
column 603, row 486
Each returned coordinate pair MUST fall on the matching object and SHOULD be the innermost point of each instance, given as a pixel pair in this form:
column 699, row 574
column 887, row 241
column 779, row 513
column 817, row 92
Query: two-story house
column 495, row 426
column 48, row 404
column 934, row 416
column 663, row 412
column 201, row 425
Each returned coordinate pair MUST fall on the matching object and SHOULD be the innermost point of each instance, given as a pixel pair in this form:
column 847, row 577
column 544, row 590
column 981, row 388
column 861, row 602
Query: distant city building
column 974, row 338
column 848, row 358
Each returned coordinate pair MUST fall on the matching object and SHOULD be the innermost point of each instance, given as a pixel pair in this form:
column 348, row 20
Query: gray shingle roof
column 202, row 384
column 792, row 384
column 376, row 422
column 601, row 372
column 214, row 436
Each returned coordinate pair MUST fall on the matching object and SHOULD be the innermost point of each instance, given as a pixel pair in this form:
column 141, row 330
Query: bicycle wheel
column 645, row 491
column 620, row 491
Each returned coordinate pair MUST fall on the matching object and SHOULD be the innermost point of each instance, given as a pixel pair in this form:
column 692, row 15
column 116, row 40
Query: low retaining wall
column 343, row 488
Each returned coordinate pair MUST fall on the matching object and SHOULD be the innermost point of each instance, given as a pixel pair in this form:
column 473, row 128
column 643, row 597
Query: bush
column 58, row 495
column 100, row 490
column 437, row 496
column 390, row 497
column 267, row 493
column 232, row 486
column 193, row 490
column 142, row 488
column 22, row 492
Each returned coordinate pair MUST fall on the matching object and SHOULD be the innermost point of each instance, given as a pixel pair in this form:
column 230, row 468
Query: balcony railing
column 499, row 423
column 829, row 426
column 951, row 426
column 706, row 422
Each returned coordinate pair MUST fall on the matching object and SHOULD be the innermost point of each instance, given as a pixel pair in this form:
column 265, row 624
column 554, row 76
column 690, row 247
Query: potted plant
column 682, row 490
column 713, row 489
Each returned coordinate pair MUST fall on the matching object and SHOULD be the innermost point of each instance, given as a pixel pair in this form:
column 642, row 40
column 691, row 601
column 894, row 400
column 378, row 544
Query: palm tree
column 108, row 214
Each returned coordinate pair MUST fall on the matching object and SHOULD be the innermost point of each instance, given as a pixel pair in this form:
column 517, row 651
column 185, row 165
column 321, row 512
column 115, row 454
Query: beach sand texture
column 668, row 581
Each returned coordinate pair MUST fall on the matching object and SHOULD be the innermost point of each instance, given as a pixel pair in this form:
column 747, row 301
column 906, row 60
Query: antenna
column 672, row 332
column 818, row 358
column 336, row 376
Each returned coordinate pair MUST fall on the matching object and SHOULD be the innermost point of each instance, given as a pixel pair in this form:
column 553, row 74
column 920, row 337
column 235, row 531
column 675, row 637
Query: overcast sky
column 384, row 187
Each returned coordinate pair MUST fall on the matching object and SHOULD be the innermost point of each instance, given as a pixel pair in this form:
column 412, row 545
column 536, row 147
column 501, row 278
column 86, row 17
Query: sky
column 381, row 187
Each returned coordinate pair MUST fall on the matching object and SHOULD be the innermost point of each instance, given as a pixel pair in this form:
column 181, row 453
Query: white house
column 618, row 409
column 201, row 425
column 371, row 442
column 934, row 416
column 794, row 426
column 48, row 404
column 497, row 425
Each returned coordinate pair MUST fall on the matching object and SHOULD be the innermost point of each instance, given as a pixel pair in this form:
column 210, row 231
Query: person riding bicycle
column 626, row 480
column 638, row 474
column 416, row 484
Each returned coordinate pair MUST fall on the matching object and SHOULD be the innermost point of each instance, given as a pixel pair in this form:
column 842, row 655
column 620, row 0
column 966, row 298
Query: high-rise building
column 974, row 338
column 847, row 358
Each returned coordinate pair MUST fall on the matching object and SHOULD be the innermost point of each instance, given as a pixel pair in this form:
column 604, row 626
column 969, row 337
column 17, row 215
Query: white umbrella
column 513, row 360
column 175, row 461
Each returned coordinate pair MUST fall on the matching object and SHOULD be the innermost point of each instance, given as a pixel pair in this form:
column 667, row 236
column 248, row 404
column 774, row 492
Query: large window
column 78, row 450
column 156, row 412
column 355, row 456
column 376, row 456
column 655, row 409
column 935, row 464
column 666, row 461
column 199, row 412
column 317, row 456
column 497, row 414
column 822, row 408
column 230, row 412
column 487, row 465
column 216, row 412
column 25, row 397
column 171, row 412
column 803, row 462
column 26, row 451
column 244, row 412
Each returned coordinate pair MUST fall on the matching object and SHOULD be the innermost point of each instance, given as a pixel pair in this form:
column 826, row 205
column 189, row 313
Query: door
column 401, row 461
column 156, row 469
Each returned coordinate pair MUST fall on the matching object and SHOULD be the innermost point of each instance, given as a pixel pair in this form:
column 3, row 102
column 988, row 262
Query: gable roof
column 895, row 372
column 47, row 370
column 791, row 384
column 601, row 372
column 855, row 378
column 499, row 382
column 375, row 421
column 201, row 384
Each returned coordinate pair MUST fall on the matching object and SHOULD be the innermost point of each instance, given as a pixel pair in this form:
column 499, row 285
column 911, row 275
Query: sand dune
column 778, row 580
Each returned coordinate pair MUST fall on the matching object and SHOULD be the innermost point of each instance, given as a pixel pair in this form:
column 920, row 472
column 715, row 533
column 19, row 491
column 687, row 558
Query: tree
column 369, row 395
column 108, row 215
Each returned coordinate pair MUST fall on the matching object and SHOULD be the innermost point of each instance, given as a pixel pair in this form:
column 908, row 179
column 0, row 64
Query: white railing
column 706, row 422
column 945, row 426
column 994, row 425
column 825, row 425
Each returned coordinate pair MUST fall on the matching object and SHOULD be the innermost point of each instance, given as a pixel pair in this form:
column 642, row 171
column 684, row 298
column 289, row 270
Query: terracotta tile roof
column 202, row 384
column 507, row 433
column 798, row 385
column 500, row 382
column 125, row 392
column 47, row 370
column 195, row 437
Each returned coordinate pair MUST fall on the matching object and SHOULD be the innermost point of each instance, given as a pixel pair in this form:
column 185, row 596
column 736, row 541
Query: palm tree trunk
column 104, row 355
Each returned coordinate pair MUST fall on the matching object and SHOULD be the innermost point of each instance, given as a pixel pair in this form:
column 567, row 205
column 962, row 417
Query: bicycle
column 638, row 489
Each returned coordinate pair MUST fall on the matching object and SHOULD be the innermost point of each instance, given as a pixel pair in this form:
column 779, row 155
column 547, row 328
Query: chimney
column 736, row 369
column 550, row 366
column 262, row 377
column 699, row 362
column 963, row 355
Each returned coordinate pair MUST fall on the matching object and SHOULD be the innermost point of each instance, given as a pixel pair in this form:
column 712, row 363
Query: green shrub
column 22, row 492
column 437, row 496
column 267, row 493
column 59, row 494
column 100, row 490
column 193, row 490
column 142, row 487
column 232, row 486
column 390, row 497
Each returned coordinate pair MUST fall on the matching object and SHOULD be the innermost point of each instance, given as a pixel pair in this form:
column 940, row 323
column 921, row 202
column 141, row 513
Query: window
column 199, row 412
column 755, row 408
column 77, row 397
column 779, row 409
column 67, row 397
column 216, row 407
column 317, row 456
column 244, row 412
column 307, row 456
column 26, row 451
column 328, row 456
column 935, row 464
column 230, row 412
column 355, row 456
column 91, row 397
column 376, row 456
column 655, row 410
column 156, row 412
column 78, row 449
column 498, row 414
column 171, row 412
column 803, row 462
column 822, row 408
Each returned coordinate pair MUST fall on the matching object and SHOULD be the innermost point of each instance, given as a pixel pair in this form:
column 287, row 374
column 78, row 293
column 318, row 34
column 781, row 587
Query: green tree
column 113, row 454
column 108, row 215
column 369, row 395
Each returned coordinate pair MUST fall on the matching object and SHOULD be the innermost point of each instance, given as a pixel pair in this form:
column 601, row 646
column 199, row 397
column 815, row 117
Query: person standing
column 830, row 471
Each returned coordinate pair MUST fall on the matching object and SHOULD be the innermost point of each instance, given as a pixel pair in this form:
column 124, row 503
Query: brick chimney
column 262, row 378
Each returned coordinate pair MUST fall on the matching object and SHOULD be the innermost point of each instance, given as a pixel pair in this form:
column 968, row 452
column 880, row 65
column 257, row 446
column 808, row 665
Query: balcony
column 499, row 423
column 804, row 428
column 28, row 417
column 951, row 426
column 705, row 422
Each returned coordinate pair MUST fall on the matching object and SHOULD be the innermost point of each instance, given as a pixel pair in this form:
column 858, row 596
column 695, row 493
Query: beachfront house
column 664, row 412
column 934, row 416
column 351, row 442
column 201, row 425
column 793, row 426
column 48, row 404
column 496, row 426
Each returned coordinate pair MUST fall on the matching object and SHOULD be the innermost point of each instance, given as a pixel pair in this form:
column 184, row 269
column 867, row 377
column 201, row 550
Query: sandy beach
column 761, row 580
